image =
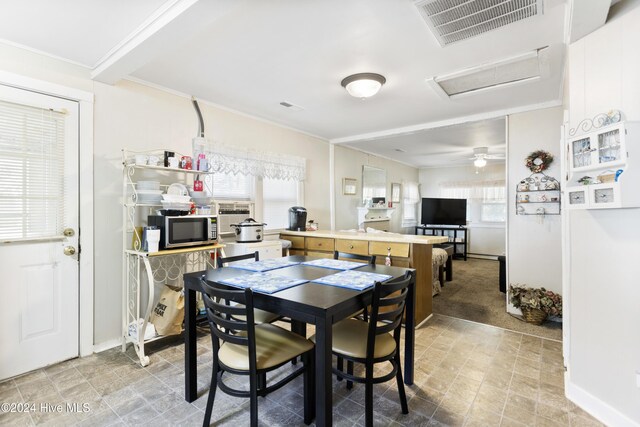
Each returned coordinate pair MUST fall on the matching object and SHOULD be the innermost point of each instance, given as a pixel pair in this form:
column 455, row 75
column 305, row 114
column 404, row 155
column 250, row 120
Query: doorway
column 39, row 229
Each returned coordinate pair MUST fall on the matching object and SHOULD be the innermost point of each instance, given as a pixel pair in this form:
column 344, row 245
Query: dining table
column 312, row 303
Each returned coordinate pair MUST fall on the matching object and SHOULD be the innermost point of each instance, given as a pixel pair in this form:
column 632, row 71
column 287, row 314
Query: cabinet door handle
column 351, row 247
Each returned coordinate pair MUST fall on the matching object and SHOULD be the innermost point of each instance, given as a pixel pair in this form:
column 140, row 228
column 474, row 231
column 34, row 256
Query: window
column 277, row 197
column 486, row 200
column 234, row 187
column 32, row 178
column 410, row 200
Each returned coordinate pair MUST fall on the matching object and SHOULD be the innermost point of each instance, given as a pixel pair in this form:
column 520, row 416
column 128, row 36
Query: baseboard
column 424, row 321
column 600, row 410
column 483, row 256
column 98, row 348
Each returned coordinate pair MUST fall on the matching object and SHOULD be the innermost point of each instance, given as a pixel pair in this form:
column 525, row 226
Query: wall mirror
column 395, row 192
column 374, row 184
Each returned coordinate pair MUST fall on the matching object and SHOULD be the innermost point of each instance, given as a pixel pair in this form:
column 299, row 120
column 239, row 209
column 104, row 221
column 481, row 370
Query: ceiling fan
column 481, row 155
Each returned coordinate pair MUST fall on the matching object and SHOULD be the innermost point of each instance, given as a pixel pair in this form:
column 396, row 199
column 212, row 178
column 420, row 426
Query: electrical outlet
column 638, row 379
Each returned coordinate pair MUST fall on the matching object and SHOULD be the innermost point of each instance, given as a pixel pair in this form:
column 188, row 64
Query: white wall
column 534, row 242
column 484, row 239
column 140, row 118
column 348, row 164
column 604, row 333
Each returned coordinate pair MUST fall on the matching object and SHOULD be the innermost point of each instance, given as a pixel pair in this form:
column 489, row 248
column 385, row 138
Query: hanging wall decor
column 539, row 161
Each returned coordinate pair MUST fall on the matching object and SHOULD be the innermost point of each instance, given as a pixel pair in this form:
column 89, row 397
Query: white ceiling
column 265, row 52
column 442, row 146
column 81, row 31
column 249, row 55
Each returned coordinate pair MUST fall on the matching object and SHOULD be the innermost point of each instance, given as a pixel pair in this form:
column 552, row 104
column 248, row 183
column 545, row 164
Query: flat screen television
column 444, row 211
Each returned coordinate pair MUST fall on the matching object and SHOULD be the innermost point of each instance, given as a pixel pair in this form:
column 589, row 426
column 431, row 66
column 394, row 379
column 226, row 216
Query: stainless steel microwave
column 184, row 231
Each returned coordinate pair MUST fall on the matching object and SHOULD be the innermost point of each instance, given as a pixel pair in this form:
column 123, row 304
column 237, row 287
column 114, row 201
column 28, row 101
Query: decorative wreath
column 539, row 161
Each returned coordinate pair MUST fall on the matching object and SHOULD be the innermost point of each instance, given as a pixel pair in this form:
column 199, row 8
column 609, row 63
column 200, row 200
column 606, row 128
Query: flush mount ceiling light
column 480, row 163
column 363, row 85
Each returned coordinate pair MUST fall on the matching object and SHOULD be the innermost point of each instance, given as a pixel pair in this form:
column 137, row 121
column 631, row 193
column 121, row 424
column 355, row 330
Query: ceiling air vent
column 507, row 72
column 290, row 106
column 453, row 20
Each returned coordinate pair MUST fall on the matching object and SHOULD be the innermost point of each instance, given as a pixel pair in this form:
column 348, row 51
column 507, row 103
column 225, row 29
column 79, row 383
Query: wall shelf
column 538, row 185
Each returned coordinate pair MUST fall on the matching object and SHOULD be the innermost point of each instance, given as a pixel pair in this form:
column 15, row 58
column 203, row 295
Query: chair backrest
column 392, row 296
column 225, row 320
column 223, row 260
column 371, row 259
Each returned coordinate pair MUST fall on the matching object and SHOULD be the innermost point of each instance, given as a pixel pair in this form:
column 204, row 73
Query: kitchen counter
column 406, row 250
column 370, row 237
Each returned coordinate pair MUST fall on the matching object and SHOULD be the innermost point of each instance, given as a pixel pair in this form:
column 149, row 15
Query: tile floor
column 466, row 374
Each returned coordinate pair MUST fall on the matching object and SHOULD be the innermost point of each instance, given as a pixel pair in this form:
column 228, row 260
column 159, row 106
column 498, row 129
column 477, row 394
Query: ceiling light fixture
column 363, row 85
column 480, row 162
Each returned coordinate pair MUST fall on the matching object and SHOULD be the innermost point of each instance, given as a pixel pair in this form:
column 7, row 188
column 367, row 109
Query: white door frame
column 85, row 158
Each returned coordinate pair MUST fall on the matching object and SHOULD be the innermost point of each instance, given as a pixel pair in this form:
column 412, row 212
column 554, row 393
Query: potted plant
column 536, row 303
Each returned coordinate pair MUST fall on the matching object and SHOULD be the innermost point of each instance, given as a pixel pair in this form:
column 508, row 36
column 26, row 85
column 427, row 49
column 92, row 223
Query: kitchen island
column 406, row 251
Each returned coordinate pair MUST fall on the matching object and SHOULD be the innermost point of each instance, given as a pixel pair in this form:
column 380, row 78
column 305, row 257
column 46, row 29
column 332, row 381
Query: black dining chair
column 375, row 341
column 362, row 314
column 241, row 347
column 259, row 316
column 370, row 259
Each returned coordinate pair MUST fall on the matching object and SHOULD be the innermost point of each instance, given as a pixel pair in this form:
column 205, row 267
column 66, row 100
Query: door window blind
column 31, row 171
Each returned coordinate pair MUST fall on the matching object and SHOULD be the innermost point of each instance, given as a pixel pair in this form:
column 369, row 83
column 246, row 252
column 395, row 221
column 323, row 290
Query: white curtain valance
column 485, row 190
column 263, row 164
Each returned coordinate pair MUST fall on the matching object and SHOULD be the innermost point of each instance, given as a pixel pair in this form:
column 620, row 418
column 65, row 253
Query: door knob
column 68, row 232
column 69, row 250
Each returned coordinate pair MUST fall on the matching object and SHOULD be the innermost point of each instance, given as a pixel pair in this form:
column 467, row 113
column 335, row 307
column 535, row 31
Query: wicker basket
column 533, row 315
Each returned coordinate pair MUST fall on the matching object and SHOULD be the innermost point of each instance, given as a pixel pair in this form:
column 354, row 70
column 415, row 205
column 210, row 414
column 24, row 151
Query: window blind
column 31, row 171
column 230, row 186
column 277, row 197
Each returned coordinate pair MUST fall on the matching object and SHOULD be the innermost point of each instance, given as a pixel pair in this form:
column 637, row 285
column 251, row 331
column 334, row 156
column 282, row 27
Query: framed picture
column 395, row 192
column 349, row 186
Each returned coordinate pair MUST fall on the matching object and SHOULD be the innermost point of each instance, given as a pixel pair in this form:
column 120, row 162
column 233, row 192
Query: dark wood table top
column 309, row 296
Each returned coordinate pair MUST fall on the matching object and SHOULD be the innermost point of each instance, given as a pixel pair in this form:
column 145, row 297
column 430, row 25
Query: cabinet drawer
column 382, row 248
column 296, row 251
column 319, row 244
column 358, row 247
column 297, row 242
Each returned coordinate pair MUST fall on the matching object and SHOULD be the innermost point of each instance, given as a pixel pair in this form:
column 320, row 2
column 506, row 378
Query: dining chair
column 259, row 316
column 371, row 259
column 375, row 341
column 242, row 347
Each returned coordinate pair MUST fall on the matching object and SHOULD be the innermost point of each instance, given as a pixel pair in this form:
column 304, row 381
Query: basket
column 608, row 177
column 533, row 315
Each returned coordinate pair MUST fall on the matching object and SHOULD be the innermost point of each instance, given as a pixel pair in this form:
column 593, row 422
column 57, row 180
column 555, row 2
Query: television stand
column 437, row 230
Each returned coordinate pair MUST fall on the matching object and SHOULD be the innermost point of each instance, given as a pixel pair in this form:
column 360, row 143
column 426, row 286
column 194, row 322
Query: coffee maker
column 297, row 218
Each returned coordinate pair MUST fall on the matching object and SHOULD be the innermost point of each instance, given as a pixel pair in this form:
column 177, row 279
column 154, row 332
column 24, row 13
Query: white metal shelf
column 143, row 271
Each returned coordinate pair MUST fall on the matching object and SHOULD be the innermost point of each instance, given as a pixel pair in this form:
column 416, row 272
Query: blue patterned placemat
column 334, row 264
column 265, row 282
column 264, row 265
column 357, row 280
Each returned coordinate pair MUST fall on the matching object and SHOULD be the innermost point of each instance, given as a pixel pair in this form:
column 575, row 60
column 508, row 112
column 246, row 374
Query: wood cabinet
column 410, row 255
column 358, row 247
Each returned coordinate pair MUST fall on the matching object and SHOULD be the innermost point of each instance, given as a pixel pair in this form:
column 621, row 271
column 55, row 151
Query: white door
column 39, row 283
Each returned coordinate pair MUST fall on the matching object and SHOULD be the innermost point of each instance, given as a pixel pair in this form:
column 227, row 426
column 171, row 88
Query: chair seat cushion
column 274, row 346
column 259, row 316
column 350, row 339
column 439, row 256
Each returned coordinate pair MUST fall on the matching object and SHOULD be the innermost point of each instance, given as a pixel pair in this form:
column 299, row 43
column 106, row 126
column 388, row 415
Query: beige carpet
column 474, row 295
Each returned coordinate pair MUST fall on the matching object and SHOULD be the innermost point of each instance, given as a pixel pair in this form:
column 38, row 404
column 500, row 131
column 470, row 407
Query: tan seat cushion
column 439, row 256
column 274, row 346
column 350, row 339
column 259, row 316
